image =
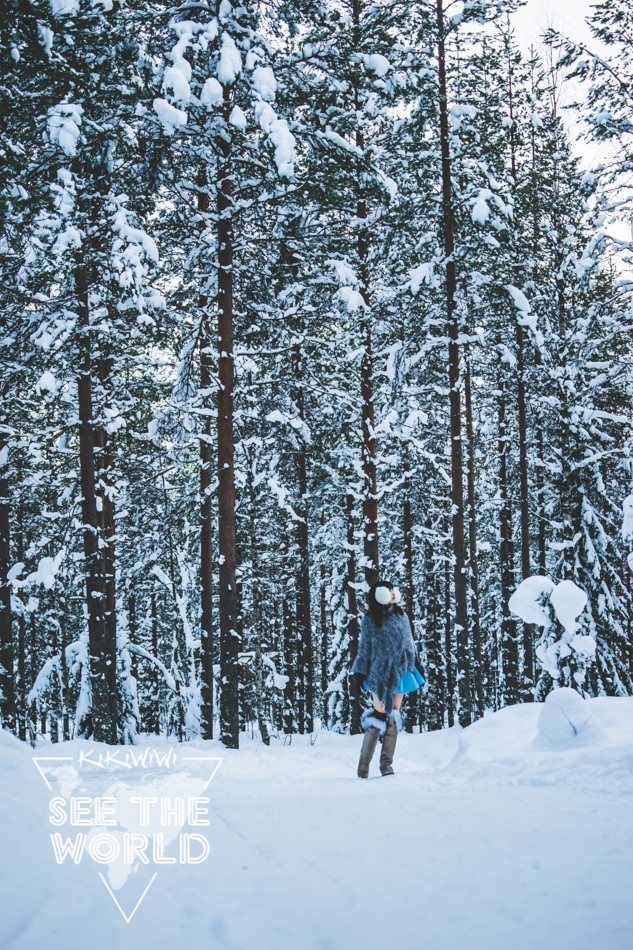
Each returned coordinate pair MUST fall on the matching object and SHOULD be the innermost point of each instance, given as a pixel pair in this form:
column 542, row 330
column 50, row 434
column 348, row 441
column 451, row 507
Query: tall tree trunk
column 448, row 644
column 457, row 493
column 324, row 644
column 289, row 639
column 407, row 530
column 32, row 723
column 257, row 621
column 304, row 620
column 528, row 646
column 540, row 500
column 528, row 651
column 103, row 725
column 508, row 624
column 368, row 450
column 370, row 487
column 154, row 717
column 435, row 698
column 7, row 691
column 472, row 544
column 64, row 672
column 21, row 690
column 352, row 609
column 132, row 629
column 104, row 465
column 540, row 494
column 206, row 524
column 229, row 637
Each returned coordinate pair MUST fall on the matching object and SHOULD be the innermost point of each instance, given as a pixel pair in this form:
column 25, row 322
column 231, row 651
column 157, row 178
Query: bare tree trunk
column 448, row 645
column 352, row 609
column 540, row 501
column 370, row 488
column 103, row 726
column 324, row 643
column 289, row 641
column 435, row 699
column 304, row 620
column 368, row 450
column 528, row 646
column 528, row 650
column 7, row 691
column 21, row 691
column 154, row 717
column 64, row 674
column 540, row 495
column 229, row 638
column 407, row 529
column 508, row 625
column 132, row 631
column 472, row 543
column 32, row 723
column 206, row 523
column 104, row 464
column 257, row 621
column 325, row 647
column 457, row 494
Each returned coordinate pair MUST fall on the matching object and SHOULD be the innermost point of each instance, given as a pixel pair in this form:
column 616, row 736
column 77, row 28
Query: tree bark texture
column 288, row 641
column 353, row 627
column 304, row 620
column 257, row 620
column 435, row 673
column 472, row 545
column 7, row 692
column 528, row 645
column 104, row 464
column 206, row 523
column 229, row 637
column 368, row 450
column 324, row 640
column 102, row 722
column 407, row 530
column 508, row 624
column 153, row 724
column 457, row 491
column 448, row 644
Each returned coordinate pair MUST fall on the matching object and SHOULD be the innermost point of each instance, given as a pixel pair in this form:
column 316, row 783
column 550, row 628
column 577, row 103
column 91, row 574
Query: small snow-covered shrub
column 564, row 650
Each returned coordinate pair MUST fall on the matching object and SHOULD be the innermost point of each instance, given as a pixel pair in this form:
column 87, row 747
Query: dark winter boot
column 367, row 751
column 374, row 724
column 394, row 726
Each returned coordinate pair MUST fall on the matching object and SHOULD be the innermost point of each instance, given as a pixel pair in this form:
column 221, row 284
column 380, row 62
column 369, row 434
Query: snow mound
column 564, row 741
column 566, row 720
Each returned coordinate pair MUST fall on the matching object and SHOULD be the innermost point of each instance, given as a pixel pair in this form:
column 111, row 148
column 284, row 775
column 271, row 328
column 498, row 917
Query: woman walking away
column 385, row 665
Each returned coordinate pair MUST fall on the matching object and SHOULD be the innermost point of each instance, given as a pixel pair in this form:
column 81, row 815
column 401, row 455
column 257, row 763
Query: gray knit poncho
column 385, row 654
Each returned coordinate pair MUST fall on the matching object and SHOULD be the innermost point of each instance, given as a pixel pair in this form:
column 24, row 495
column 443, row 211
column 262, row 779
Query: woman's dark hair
column 377, row 610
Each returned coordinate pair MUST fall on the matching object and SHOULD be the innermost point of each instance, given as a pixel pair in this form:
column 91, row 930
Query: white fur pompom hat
column 383, row 594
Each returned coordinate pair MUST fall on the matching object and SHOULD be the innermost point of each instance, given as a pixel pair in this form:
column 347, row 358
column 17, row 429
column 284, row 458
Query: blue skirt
column 411, row 681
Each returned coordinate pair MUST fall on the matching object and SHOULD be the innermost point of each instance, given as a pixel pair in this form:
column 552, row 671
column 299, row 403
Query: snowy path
column 504, row 846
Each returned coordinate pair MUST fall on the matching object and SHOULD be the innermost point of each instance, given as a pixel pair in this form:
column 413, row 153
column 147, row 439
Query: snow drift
column 514, row 832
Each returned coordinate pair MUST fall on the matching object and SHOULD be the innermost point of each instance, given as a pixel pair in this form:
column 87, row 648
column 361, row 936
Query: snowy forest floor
column 491, row 837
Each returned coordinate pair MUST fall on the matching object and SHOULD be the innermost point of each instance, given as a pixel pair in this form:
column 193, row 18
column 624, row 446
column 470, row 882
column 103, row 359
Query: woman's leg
column 397, row 701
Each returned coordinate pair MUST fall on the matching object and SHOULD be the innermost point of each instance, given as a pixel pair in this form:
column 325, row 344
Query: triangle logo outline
column 138, row 903
column 49, row 758
column 205, row 758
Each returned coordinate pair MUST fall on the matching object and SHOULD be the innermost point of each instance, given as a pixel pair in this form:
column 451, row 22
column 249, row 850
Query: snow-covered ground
column 503, row 836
